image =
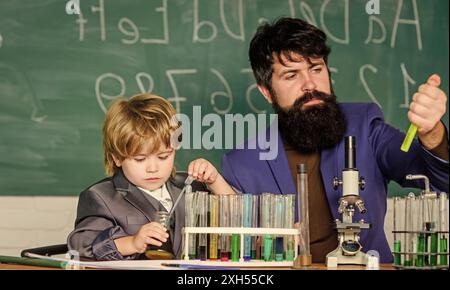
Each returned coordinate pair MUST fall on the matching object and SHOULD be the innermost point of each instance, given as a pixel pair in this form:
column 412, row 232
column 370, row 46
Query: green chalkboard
column 59, row 71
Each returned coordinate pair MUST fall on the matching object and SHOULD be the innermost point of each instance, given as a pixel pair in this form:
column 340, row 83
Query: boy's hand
column 203, row 171
column 149, row 234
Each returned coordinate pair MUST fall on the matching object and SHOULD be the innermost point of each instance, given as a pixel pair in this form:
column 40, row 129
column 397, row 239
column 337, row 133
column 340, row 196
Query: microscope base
column 336, row 258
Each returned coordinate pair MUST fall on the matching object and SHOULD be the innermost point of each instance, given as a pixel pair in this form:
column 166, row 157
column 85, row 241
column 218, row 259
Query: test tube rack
column 420, row 239
column 421, row 260
column 241, row 231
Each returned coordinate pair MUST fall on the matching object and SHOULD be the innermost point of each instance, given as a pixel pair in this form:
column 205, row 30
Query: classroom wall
column 33, row 221
column 38, row 221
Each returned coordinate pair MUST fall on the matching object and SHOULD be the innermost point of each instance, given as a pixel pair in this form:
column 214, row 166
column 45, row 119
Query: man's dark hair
column 283, row 37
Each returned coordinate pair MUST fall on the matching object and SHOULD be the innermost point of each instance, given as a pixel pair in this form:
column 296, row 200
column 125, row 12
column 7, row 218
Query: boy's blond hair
column 142, row 123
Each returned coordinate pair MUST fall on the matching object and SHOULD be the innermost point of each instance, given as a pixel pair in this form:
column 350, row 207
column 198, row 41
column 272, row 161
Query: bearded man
column 289, row 62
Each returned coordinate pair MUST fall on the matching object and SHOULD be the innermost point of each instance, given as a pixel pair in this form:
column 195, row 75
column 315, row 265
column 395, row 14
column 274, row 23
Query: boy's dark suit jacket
column 115, row 208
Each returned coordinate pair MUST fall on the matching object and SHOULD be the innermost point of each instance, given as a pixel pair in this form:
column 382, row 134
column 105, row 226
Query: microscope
column 349, row 247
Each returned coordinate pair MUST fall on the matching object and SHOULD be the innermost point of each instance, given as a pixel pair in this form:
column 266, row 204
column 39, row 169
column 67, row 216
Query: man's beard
column 309, row 129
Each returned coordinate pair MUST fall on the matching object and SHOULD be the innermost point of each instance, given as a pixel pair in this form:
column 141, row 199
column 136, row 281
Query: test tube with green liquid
column 279, row 213
column 397, row 242
column 421, row 245
column 409, row 214
column 443, row 224
column 289, row 205
column 266, row 212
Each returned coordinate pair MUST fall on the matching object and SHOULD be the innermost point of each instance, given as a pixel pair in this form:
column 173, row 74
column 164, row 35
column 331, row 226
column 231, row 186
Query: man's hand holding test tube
column 425, row 113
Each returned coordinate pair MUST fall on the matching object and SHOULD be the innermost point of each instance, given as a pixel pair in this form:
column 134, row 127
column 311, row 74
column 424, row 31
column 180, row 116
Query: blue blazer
column 378, row 159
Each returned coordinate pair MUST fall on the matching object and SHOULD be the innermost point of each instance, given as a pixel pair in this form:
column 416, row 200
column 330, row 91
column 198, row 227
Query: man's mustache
column 314, row 95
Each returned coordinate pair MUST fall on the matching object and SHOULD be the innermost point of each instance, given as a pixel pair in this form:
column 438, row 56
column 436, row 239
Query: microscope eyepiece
column 350, row 152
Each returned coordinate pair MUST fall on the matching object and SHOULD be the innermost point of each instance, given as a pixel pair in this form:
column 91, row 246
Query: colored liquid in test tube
column 213, row 222
column 224, row 221
column 247, row 222
column 443, row 224
column 421, row 245
column 190, row 217
column 236, row 221
column 409, row 236
column 397, row 242
column 278, row 215
column 256, row 241
column 289, row 200
column 266, row 212
column 202, row 204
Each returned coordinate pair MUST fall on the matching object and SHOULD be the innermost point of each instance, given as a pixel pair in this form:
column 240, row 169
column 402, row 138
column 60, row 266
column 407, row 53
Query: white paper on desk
column 116, row 265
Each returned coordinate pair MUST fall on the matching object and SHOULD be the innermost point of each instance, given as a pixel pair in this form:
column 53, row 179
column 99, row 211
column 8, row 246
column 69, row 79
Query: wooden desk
column 313, row 267
column 24, row 267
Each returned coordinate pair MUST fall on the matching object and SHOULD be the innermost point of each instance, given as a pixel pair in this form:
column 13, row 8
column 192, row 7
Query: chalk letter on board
column 373, row 7
column 292, row 8
column 414, row 21
column 73, row 7
column 165, row 40
column 198, row 25
column 248, row 93
column 346, row 39
column 1, row 40
column 101, row 8
column 133, row 32
column 176, row 97
column 370, row 38
column 214, row 131
column 363, row 81
column 307, row 13
column 406, row 79
column 101, row 96
column 140, row 84
column 228, row 95
column 81, row 22
column 241, row 35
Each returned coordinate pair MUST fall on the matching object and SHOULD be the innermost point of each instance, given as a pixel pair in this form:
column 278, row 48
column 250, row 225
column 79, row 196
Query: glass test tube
column 409, row 214
column 247, row 215
column 421, row 245
column 202, row 203
column 190, row 216
column 256, row 241
column 443, row 227
column 266, row 201
column 434, row 237
column 224, row 221
column 289, row 200
column 430, row 230
column 278, row 216
column 236, row 221
column 302, row 189
column 213, row 222
column 397, row 242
